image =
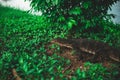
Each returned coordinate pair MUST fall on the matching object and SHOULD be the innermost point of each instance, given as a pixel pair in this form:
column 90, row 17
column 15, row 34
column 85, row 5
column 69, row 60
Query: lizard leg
column 96, row 56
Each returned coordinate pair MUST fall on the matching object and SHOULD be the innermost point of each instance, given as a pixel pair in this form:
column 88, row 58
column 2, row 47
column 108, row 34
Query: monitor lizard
column 90, row 46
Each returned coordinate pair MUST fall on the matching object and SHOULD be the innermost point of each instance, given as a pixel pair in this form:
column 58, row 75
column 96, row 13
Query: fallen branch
column 16, row 76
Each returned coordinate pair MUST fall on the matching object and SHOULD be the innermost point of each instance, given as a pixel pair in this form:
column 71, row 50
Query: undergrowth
column 23, row 38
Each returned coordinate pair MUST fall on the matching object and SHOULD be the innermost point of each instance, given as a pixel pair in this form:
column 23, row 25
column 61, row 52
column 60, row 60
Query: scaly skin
column 90, row 46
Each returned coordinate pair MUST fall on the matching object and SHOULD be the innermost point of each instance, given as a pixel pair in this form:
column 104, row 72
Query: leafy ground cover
column 23, row 42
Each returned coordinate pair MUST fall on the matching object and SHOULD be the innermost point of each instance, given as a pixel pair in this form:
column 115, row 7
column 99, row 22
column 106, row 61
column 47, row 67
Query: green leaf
column 48, row 1
column 75, row 11
column 55, row 2
column 1, row 64
column 25, row 67
column 74, row 78
column 83, row 74
column 86, row 4
column 30, row 71
column 61, row 18
column 70, row 23
column 52, row 78
column 88, row 24
column 50, row 69
column 21, row 60
column 78, row 71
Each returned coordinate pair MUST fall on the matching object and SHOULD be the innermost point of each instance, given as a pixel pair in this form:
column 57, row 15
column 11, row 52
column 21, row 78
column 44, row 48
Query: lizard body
column 94, row 47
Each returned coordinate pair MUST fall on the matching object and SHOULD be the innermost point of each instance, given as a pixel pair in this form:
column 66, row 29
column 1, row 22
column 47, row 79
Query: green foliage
column 80, row 15
column 22, row 46
column 88, row 19
column 109, row 33
column 94, row 72
column 23, row 40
